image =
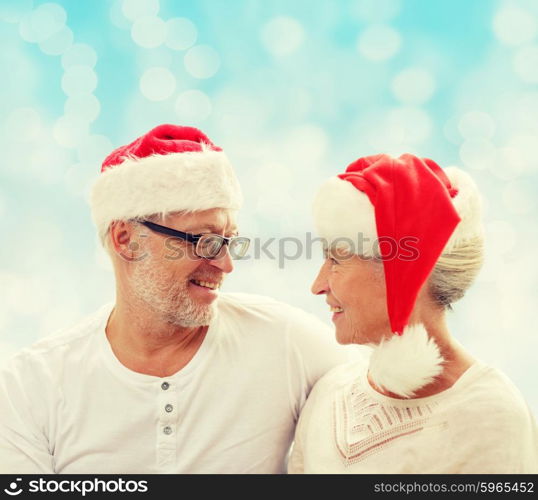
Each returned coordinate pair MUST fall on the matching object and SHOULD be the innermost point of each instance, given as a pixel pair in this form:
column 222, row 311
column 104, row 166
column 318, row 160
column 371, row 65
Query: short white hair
column 105, row 237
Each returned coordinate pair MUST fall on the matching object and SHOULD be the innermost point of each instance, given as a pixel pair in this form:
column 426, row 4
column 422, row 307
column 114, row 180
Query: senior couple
column 176, row 377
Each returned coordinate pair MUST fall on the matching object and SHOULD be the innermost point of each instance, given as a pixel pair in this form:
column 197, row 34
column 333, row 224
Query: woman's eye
column 333, row 260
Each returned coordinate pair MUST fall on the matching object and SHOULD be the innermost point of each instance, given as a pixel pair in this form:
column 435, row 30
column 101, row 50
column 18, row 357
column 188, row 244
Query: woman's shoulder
column 489, row 394
column 342, row 375
column 490, row 418
column 323, row 393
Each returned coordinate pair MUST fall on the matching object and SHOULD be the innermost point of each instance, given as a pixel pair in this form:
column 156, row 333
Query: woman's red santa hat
column 379, row 203
column 169, row 169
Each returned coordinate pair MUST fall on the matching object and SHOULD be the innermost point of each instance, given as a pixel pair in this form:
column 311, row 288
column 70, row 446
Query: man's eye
column 333, row 260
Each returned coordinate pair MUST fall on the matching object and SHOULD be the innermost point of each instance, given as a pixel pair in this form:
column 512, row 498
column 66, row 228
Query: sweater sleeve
column 24, row 447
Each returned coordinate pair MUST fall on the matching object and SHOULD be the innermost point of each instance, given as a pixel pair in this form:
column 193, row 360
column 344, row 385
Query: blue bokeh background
column 293, row 91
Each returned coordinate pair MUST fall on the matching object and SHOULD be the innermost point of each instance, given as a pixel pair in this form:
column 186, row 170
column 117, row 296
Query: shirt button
column 168, row 408
column 165, row 386
column 167, row 430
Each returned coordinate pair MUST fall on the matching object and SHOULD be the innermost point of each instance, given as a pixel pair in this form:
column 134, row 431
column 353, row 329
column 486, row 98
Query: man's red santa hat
column 169, row 169
column 378, row 204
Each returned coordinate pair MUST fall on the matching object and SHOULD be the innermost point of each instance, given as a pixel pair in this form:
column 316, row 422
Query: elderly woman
column 404, row 241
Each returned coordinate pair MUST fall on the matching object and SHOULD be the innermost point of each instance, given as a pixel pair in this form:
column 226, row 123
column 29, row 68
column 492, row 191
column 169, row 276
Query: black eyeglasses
column 207, row 245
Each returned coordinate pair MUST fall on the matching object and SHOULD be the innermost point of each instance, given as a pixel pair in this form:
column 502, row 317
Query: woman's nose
column 320, row 285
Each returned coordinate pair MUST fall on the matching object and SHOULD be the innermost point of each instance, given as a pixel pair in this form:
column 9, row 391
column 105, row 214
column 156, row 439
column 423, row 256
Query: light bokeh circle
column 137, row 9
column 282, row 35
column 79, row 80
column 157, row 84
column 193, row 106
column 181, row 33
column 379, row 42
column 513, row 25
column 202, row 61
column 414, row 85
column 79, row 54
column 149, row 32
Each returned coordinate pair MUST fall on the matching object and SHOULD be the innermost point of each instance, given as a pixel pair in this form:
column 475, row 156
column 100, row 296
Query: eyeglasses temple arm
column 170, row 232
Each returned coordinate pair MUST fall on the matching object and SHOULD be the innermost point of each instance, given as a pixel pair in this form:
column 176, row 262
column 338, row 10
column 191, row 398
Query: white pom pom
column 407, row 362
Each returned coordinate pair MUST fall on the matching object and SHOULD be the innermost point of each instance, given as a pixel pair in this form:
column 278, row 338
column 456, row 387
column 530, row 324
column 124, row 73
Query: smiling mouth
column 206, row 284
column 335, row 309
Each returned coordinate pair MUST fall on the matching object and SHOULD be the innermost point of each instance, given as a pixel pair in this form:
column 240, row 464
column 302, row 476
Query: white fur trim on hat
column 468, row 204
column 342, row 212
column 405, row 363
column 344, row 216
column 189, row 181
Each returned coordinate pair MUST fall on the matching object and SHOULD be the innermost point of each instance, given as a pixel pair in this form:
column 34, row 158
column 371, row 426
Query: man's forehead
column 214, row 220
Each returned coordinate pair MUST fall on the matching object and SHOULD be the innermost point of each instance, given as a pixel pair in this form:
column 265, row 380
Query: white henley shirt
column 67, row 405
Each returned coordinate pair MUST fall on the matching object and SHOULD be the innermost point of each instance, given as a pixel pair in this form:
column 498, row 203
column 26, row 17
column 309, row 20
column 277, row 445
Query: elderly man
column 174, row 377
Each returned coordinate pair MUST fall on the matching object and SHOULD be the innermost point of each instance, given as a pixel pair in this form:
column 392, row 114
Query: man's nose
column 320, row 285
column 223, row 261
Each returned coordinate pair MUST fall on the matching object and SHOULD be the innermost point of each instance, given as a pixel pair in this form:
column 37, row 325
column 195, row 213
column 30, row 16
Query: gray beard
column 169, row 300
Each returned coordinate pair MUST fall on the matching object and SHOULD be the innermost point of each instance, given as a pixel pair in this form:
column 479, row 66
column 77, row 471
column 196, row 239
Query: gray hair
column 105, row 240
column 456, row 270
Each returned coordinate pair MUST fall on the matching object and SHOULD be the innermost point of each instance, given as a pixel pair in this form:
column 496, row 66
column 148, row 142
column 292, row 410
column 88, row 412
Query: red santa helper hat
column 169, row 169
column 387, row 199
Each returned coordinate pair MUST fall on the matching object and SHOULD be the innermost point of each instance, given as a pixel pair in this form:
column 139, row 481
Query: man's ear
column 120, row 235
column 124, row 240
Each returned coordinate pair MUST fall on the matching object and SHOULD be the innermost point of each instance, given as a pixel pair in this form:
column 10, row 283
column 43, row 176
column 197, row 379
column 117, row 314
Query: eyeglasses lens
column 209, row 246
column 239, row 247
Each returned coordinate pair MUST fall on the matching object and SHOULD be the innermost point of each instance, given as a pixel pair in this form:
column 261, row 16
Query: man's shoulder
column 266, row 317
column 262, row 307
column 58, row 342
column 239, row 299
